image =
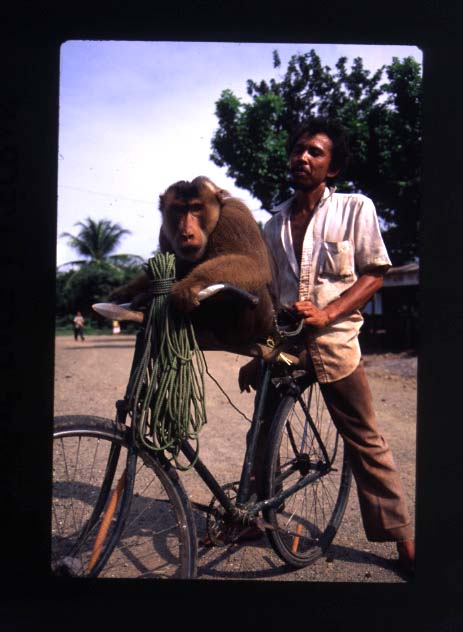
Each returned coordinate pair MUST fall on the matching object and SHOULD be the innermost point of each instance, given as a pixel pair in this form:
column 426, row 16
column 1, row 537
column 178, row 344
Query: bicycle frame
column 239, row 506
column 244, row 509
column 245, row 480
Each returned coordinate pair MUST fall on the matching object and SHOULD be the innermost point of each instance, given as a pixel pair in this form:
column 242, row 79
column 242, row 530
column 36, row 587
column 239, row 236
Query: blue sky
column 137, row 116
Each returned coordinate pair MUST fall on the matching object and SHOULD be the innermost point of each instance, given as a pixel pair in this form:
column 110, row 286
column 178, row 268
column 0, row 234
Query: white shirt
column 342, row 241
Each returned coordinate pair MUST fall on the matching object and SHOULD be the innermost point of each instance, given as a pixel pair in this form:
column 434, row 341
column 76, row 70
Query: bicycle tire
column 306, row 524
column 154, row 538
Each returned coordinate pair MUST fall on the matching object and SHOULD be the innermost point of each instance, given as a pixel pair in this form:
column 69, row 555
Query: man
column 329, row 260
column 79, row 323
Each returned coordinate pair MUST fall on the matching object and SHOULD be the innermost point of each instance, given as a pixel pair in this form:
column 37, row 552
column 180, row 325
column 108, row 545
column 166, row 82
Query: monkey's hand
column 185, row 296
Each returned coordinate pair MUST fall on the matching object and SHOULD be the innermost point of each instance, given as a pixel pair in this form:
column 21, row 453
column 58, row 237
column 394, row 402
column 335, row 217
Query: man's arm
column 352, row 299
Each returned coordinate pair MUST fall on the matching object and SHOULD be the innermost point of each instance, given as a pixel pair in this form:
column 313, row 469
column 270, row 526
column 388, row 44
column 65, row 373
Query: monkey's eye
column 196, row 209
column 177, row 209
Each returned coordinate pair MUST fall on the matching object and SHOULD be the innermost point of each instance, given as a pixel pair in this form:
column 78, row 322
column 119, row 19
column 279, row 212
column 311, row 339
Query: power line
column 110, row 195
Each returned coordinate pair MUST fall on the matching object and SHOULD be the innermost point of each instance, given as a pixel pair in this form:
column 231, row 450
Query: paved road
column 91, row 375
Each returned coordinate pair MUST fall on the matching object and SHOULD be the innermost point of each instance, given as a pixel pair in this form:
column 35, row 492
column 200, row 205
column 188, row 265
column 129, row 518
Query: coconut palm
column 82, row 283
column 96, row 241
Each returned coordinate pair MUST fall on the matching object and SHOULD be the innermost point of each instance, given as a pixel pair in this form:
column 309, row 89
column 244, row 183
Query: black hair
column 335, row 131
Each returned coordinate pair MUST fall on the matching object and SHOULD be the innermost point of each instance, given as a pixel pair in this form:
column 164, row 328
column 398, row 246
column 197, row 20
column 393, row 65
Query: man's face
column 310, row 161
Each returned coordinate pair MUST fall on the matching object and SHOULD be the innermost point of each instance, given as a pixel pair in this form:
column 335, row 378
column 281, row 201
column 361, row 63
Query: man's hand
column 354, row 298
column 311, row 314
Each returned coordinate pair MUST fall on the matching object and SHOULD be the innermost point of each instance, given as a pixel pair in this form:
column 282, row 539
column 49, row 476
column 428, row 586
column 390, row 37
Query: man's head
column 318, row 150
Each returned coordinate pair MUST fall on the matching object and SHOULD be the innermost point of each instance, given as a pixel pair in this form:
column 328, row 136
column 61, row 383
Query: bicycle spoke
column 157, row 538
column 304, row 443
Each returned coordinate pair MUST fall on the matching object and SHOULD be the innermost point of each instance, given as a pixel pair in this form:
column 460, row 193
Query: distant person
column 79, row 323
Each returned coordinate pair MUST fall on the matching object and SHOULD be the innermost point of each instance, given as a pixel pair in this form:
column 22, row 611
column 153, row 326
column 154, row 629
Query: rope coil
column 161, row 286
column 166, row 397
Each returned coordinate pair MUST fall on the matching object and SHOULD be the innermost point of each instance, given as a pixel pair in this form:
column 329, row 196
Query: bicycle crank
column 224, row 529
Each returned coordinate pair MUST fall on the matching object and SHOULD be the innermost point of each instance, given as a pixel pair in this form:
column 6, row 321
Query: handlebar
column 252, row 299
column 124, row 311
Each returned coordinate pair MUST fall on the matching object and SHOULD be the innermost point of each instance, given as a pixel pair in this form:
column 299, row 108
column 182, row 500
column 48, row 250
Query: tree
column 91, row 284
column 384, row 124
column 97, row 240
column 99, row 273
column 61, row 304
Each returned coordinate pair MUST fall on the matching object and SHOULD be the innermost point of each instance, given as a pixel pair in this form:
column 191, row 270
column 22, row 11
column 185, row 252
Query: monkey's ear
column 222, row 195
column 202, row 182
column 162, row 200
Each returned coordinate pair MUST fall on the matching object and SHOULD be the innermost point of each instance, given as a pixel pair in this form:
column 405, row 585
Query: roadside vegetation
column 93, row 276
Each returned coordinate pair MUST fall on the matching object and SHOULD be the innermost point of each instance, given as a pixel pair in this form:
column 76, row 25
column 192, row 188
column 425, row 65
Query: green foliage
column 384, row 124
column 61, row 301
column 251, row 142
column 96, row 239
column 90, row 281
column 91, row 284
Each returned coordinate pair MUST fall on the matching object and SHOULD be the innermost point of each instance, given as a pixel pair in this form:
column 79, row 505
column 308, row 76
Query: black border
column 31, row 36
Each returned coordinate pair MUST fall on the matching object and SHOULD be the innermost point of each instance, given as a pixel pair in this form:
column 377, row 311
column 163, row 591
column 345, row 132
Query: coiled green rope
column 166, row 398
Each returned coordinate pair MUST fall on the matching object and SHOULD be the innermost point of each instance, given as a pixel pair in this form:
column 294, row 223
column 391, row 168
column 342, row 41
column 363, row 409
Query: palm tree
column 96, row 240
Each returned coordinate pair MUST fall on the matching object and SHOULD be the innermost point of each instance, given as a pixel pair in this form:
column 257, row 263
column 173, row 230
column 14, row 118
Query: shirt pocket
column 337, row 259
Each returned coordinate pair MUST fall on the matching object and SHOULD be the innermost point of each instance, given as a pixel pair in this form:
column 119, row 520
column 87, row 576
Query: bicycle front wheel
column 115, row 514
column 305, row 443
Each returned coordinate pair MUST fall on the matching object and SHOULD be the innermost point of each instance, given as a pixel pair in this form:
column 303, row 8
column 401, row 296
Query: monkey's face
column 190, row 212
column 185, row 226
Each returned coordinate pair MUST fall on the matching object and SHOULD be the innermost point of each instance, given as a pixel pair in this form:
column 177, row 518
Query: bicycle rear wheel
column 95, row 475
column 305, row 441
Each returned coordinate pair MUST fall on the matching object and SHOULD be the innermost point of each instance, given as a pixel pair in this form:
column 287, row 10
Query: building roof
column 402, row 275
column 408, row 268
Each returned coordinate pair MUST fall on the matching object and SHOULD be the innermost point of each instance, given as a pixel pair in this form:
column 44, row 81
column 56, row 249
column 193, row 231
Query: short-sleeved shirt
column 342, row 241
column 79, row 321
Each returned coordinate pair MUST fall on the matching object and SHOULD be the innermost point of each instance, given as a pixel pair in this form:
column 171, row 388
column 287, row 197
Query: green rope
column 166, row 398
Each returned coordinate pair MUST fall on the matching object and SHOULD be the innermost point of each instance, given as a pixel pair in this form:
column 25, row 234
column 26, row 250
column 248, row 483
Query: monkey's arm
column 244, row 271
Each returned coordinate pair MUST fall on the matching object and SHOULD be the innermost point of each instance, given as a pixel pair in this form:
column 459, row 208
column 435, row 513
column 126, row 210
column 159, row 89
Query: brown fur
column 235, row 253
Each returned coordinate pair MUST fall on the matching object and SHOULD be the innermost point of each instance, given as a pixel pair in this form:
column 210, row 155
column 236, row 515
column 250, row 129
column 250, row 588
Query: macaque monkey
column 216, row 240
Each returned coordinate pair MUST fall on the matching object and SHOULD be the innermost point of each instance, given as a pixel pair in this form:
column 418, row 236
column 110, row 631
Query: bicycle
column 120, row 510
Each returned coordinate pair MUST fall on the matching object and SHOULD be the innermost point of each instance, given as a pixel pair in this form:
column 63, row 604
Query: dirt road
column 91, row 375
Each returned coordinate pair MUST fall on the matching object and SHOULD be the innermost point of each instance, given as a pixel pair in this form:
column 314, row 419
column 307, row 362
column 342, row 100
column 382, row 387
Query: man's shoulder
column 273, row 226
column 283, row 206
column 351, row 197
column 352, row 203
column 280, row 209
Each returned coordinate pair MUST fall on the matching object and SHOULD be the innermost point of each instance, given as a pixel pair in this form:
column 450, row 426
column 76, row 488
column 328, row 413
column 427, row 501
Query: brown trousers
column 380, row 492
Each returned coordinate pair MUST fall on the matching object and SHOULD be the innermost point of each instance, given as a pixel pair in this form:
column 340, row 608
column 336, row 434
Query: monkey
column 216, row 240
